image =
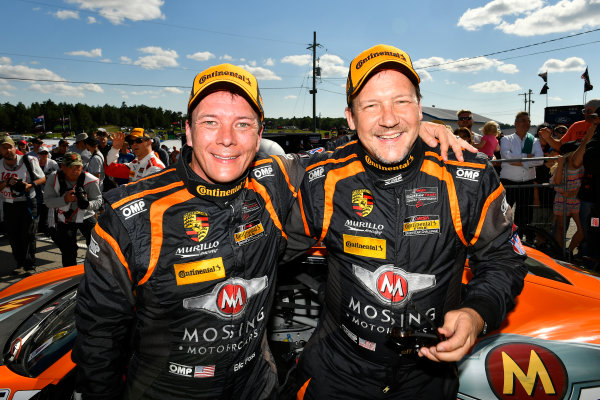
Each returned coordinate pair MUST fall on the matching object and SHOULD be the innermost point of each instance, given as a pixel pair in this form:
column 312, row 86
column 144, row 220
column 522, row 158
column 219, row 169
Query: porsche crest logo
column 196, row 225
column 362, row 200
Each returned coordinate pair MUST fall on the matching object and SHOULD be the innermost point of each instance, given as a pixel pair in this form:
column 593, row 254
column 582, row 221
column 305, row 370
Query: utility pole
column 314, row 79
column 527, row 101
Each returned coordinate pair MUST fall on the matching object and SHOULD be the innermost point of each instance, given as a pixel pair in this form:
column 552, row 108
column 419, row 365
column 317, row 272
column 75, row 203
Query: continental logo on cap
column 365, row 246
column 421, row 225
column 216, row 192
column 199, row 271
column 363, row 202
column 392, row 168
column 196, row 223
column 216, row 74
column 371, row 56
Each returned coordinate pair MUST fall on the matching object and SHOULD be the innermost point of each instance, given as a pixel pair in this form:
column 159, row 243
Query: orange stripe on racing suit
column 115, row 246
column 333, row 177
column 262, row 191
column 495, row 194
column 302, row 391
column 287, row 177
column 437, row 171
column 331, row 161
column 146, row 177
column 157, row 211
column 119, row 203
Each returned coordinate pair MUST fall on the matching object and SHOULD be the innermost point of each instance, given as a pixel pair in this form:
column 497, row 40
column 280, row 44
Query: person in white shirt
column 146, row 162
column 517, row 175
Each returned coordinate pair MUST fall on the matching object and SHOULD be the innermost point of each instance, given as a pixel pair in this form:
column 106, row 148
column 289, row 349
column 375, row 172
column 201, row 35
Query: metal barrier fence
column 535, row 215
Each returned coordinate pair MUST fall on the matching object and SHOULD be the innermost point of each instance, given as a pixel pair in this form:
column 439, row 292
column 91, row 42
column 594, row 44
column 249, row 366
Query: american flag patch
column 204, row 371
column 515, row 240
column 366, row 344
column 595, row 222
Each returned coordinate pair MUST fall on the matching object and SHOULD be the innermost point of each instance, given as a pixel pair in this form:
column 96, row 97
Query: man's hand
column 429, row 131
column 545, row 133
column 118, row 139
column 461, row 327
column 70, row 196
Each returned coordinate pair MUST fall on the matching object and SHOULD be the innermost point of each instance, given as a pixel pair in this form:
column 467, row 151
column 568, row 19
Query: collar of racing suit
column 389, row 175
column 221, row 194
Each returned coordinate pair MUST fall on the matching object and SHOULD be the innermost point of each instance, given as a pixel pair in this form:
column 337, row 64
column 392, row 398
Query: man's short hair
column 521, row 114
column 463, row 111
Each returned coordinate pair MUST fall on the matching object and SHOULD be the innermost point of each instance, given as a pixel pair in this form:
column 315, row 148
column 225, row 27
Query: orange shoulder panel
column 115, row 246
column 262, row 192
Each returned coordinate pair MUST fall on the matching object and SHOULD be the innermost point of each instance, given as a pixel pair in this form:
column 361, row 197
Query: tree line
column 64, row 117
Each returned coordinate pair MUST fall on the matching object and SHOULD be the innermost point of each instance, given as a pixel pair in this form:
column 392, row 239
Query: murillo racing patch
column 199, row 271
column 365, row 246
column 421, row 225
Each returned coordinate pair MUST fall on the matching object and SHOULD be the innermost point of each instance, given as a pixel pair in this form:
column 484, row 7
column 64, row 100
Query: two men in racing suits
column 398, row 223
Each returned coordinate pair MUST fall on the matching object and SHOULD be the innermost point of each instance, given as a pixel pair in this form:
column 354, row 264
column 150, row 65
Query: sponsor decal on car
column 362, row 200
column 421, row 225
column 365, row 246
column 196, row 223
column 18, row 303
column 420, row 197
column 199, row 271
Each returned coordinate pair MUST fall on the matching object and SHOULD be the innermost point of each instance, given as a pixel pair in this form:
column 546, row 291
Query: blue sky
column 150, row 50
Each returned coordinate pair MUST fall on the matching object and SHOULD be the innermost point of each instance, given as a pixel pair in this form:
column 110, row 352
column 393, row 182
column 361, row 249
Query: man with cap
column 48, row 166
column 102, row 137
column 577, row 130
column 19, row 177
column 184, row 261
column 22, row 147
column 60, row 150
column 79, row 147
column 398, row 222
column 75, row 196
column 146, row 162
column 36, row 143
column 95, row 165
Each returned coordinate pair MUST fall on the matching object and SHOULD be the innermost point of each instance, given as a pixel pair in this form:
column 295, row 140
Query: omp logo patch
column 420, row 197
column 316, row 173
column 421, row 225
column 132, row 209
column 525, row 371
column 365, row 246
column 196, row 223
column 17, row 303
column 261, row 172
column 228, row 299
column 181, row 370
column 248, row 232
column 199, row 271
column 393, row 180
column 392, row 285
column 93, row 248
column 362, row 200
column 467, row 174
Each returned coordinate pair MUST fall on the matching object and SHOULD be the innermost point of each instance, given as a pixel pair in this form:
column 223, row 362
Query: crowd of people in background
column 56, row 191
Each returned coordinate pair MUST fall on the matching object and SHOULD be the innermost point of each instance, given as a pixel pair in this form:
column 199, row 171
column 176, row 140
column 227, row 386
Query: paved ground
column 48, row 257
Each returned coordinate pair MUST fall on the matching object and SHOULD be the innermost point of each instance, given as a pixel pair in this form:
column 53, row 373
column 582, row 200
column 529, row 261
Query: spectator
column 19, row 177
column 577, row 130
column 79, row 147
column 48, row 166
column 174, row 155
column 543, row 196
column 76, row 196
column 22, row 147
column 162, row 154
column 520, row 145
column 95, row 165
column 464, row 134
column 60, row 151
column 146, row 162
column 103, row 145
column 36, row 143
column 465, row 119
column 489, row 141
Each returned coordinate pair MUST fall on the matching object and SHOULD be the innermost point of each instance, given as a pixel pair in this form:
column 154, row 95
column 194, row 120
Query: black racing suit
column 397, row 239
column 179, row 280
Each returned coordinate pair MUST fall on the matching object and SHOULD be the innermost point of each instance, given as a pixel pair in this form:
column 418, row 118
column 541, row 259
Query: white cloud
column 554, row 98
column 332, row 66
column 242, row 59
column 91, row 20
column 569, row 64
column 252, row 63
column 6, row 87
column 172, row 90
column 262, row 74
column 158, row 58
column 290, row 97
column 152, row 93
column 118, row 11
column 92, row 53
column 533, row 17
column 64, row 89
column 5, row 60
column 66, row 14
column 226, row 57
column 449, row 82
column 269, row 62
column 106, row 60
column 35, row 63
column 303, row 59
column 463, row 65
column 201, row 56
column 495, row 87
column 126, row 60
column 23, row 72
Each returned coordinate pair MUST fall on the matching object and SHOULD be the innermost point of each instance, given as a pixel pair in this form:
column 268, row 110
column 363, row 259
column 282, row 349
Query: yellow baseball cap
column 228, row 74
column 137, row 133
column 366, row 62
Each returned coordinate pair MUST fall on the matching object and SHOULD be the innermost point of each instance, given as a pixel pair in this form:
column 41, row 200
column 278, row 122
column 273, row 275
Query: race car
column 548, row 347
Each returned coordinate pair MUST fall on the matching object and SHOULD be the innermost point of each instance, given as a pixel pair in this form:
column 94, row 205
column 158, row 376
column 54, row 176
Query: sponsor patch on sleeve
column 365, row 246
column 199, row 271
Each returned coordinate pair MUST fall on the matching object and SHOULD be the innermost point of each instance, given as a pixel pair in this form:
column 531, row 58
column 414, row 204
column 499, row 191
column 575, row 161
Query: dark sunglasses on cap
column 465, row 118
column 137, row 140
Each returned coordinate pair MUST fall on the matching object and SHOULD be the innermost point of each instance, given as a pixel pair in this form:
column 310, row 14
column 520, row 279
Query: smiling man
column 398, row 222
